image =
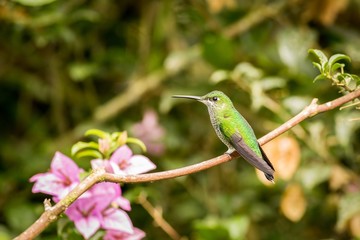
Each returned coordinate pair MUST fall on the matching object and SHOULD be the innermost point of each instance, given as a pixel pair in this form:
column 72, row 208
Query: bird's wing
column 265, row 157
column 249, row 155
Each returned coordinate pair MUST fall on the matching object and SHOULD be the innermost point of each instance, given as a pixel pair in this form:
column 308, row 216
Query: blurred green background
column 67, row 66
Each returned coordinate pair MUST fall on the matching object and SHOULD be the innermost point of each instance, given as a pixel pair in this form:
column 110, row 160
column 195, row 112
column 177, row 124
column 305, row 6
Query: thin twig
column 350, row 105
column 156, row 214
column 255, row 17
column 100, row 175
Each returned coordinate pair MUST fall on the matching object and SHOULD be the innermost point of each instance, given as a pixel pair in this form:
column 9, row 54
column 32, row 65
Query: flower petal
column 65, row 167
column 105, row 193
column 36, row 177
column 123, row 203
column 150, row 132
column 139, row 164
column 116, row 219
column 87, row 226
column 48, row 183
column 121, row 154
column 116, row 235
column 67, row 189
column 97, row 163
column 60, row 180
column 79, row 208
column 116, row 169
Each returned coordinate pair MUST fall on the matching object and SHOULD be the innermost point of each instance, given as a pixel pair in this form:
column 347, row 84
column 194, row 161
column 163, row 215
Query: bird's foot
column 230, row 151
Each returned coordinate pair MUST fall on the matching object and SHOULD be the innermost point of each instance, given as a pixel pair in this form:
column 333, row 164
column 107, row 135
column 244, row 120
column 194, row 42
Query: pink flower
column 117, row 235
column 110, row 193
column 60, row 180
column 150, row 132
column 99, row 207
column 96, row 211
column 123, row 162
column 86, row 214
column 117, row 220
column 104, row 145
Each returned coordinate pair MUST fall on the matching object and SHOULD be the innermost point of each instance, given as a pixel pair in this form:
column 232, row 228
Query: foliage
column 70, row 66
column 106, row 145
column 329, row 70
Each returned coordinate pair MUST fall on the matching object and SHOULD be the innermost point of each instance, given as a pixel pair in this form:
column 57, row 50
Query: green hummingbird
column 234, row 131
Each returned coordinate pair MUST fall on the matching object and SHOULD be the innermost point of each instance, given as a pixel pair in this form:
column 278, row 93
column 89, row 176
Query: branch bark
column 99, row 175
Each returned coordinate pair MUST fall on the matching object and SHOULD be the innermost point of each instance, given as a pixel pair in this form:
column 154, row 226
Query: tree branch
column 99, row 175
column 156, row 214
column 309, row 111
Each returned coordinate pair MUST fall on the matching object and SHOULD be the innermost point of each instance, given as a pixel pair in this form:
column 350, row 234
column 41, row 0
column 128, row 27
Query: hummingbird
column 234, row 131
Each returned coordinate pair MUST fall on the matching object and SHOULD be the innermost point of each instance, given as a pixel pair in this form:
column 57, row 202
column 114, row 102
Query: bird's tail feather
column 269, row 177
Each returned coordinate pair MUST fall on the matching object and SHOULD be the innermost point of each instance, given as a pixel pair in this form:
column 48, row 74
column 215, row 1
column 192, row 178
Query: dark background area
column 67, row 66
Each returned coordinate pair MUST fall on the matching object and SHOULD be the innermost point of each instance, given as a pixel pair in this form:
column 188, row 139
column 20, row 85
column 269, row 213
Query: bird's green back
column 232, row 122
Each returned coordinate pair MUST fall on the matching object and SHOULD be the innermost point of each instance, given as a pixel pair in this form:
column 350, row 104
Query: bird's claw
column 230, row 152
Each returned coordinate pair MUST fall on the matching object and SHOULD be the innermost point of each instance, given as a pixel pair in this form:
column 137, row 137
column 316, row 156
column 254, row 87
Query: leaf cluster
column 333, row 69
column 106, row 145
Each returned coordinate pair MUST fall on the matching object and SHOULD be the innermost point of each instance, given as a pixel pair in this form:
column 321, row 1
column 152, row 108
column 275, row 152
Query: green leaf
column 89, row 153
column 356, row 78
column 318, row 66
column 96, row 132
column 336, row 66
column 320, row 77
column 137, row 142
column 337, row 57
column 34, row 3
column 326, row 69
column 115, row 135
column 80, row 146
column 341, row 77
column 350, row 81
column 349, row 205
column 321, row 57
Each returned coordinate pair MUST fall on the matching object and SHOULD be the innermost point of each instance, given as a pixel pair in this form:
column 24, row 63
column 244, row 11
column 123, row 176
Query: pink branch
column 52, row 213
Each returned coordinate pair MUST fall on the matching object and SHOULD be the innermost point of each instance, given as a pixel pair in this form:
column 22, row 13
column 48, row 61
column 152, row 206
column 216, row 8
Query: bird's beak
column 188, row 97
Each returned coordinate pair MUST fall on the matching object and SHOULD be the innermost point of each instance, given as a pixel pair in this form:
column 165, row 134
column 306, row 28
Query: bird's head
column 213, row 100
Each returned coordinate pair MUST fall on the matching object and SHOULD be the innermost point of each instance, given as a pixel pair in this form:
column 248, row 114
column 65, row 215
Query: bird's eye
column 215, row 99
